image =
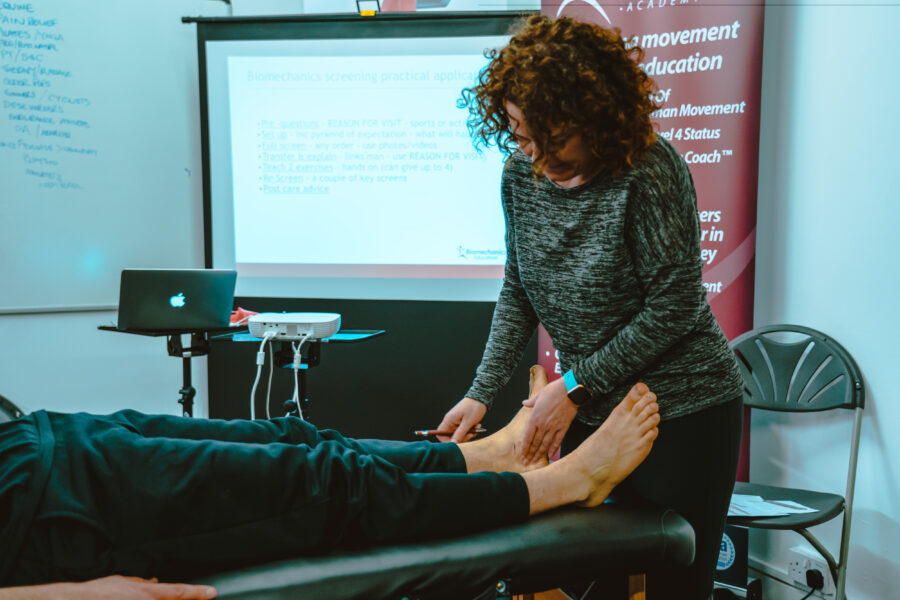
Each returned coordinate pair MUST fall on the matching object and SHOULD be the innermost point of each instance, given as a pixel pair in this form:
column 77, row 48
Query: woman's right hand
column 461, row 419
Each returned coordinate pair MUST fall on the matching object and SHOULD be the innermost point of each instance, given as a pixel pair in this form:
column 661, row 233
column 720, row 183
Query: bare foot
column 619, row 445
column 499, row 451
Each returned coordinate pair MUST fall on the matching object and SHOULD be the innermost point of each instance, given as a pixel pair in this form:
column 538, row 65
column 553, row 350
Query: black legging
column 691, row 469
column 176, row 498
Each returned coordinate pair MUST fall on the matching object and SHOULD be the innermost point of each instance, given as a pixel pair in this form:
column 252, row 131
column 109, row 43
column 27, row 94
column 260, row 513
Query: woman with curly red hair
column 603, row 249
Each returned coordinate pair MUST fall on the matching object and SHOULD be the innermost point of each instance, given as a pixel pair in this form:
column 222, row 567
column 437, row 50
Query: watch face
column 579, row 395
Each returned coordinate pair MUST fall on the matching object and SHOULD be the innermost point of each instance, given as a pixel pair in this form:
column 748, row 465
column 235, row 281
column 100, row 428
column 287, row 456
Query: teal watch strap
column 578, row 393
column 569, row 380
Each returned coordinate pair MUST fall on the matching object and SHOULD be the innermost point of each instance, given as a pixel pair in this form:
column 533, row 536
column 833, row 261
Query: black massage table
column 564, row 546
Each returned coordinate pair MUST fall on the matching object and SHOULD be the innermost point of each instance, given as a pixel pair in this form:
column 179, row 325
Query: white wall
column 827, row 258
column 62, row 362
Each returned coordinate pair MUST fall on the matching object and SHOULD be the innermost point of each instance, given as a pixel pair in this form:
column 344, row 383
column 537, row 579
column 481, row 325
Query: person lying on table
column 85, row 496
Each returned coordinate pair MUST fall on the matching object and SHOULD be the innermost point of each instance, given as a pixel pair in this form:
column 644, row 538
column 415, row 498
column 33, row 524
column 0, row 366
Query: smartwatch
column 578, row 393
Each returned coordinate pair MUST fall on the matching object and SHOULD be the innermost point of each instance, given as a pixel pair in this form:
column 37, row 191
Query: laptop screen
column 175, row 299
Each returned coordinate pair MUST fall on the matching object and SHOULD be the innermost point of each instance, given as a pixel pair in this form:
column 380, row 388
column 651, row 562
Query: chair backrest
column 794, row 368
column 9, row 411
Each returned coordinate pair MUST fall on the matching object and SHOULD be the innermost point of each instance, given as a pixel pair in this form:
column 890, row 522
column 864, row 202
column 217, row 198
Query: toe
column 648, row 437
column 651, row 422
column 645, row 400
column 643, row 410
column 636, row 392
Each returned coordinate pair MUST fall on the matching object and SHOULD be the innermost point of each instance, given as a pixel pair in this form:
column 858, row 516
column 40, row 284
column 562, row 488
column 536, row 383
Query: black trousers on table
column 691, row 469
column 177, row 498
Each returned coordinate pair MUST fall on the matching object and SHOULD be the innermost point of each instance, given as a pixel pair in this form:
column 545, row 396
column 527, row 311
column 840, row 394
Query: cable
column 296, row 366
column 260, row 360
column 269, row 388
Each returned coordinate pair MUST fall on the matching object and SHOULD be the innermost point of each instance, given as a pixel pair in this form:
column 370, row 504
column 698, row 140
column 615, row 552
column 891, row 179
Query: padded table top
column 566, row 545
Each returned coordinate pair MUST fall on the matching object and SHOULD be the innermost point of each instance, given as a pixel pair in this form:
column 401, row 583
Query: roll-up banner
column 706, row 59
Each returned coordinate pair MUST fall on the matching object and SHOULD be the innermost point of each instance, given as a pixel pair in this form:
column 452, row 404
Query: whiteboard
column 99, row 147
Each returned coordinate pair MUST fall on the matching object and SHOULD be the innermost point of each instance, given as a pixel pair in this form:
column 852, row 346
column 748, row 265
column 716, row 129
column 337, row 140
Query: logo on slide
column 593, row 3
column 469, row 253
column 177, row 301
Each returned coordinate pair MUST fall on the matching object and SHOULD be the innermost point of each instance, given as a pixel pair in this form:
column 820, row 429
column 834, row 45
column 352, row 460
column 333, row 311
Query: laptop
column 165, row 300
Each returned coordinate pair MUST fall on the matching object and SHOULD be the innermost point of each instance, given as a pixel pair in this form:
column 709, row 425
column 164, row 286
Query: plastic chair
column 809, row 374
column 9, row 411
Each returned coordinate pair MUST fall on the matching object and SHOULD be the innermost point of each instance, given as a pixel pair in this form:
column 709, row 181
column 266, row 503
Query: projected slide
column 341, row 167
column 362, row 159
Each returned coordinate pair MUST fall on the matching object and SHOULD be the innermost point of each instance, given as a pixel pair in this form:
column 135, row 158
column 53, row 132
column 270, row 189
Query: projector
column 295, row 326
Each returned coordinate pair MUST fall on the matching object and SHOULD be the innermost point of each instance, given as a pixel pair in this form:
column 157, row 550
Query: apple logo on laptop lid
column 178, row 300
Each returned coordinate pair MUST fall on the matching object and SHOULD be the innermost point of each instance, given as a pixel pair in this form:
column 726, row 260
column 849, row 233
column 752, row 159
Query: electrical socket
column 806, row 559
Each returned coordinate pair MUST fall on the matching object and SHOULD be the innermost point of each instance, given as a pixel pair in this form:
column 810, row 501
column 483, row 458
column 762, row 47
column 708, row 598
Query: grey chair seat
column 827, row 506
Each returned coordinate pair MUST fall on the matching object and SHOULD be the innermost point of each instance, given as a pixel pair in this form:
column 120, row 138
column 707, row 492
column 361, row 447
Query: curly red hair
column 570, row 76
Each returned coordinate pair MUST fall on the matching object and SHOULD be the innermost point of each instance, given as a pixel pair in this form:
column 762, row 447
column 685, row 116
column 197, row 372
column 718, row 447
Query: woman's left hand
column 553, row 413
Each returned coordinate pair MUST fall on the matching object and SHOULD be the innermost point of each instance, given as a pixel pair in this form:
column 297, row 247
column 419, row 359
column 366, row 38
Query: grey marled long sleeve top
column 612, row 270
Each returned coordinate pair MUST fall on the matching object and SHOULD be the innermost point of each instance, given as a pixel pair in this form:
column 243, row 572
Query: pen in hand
column 428, row 432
